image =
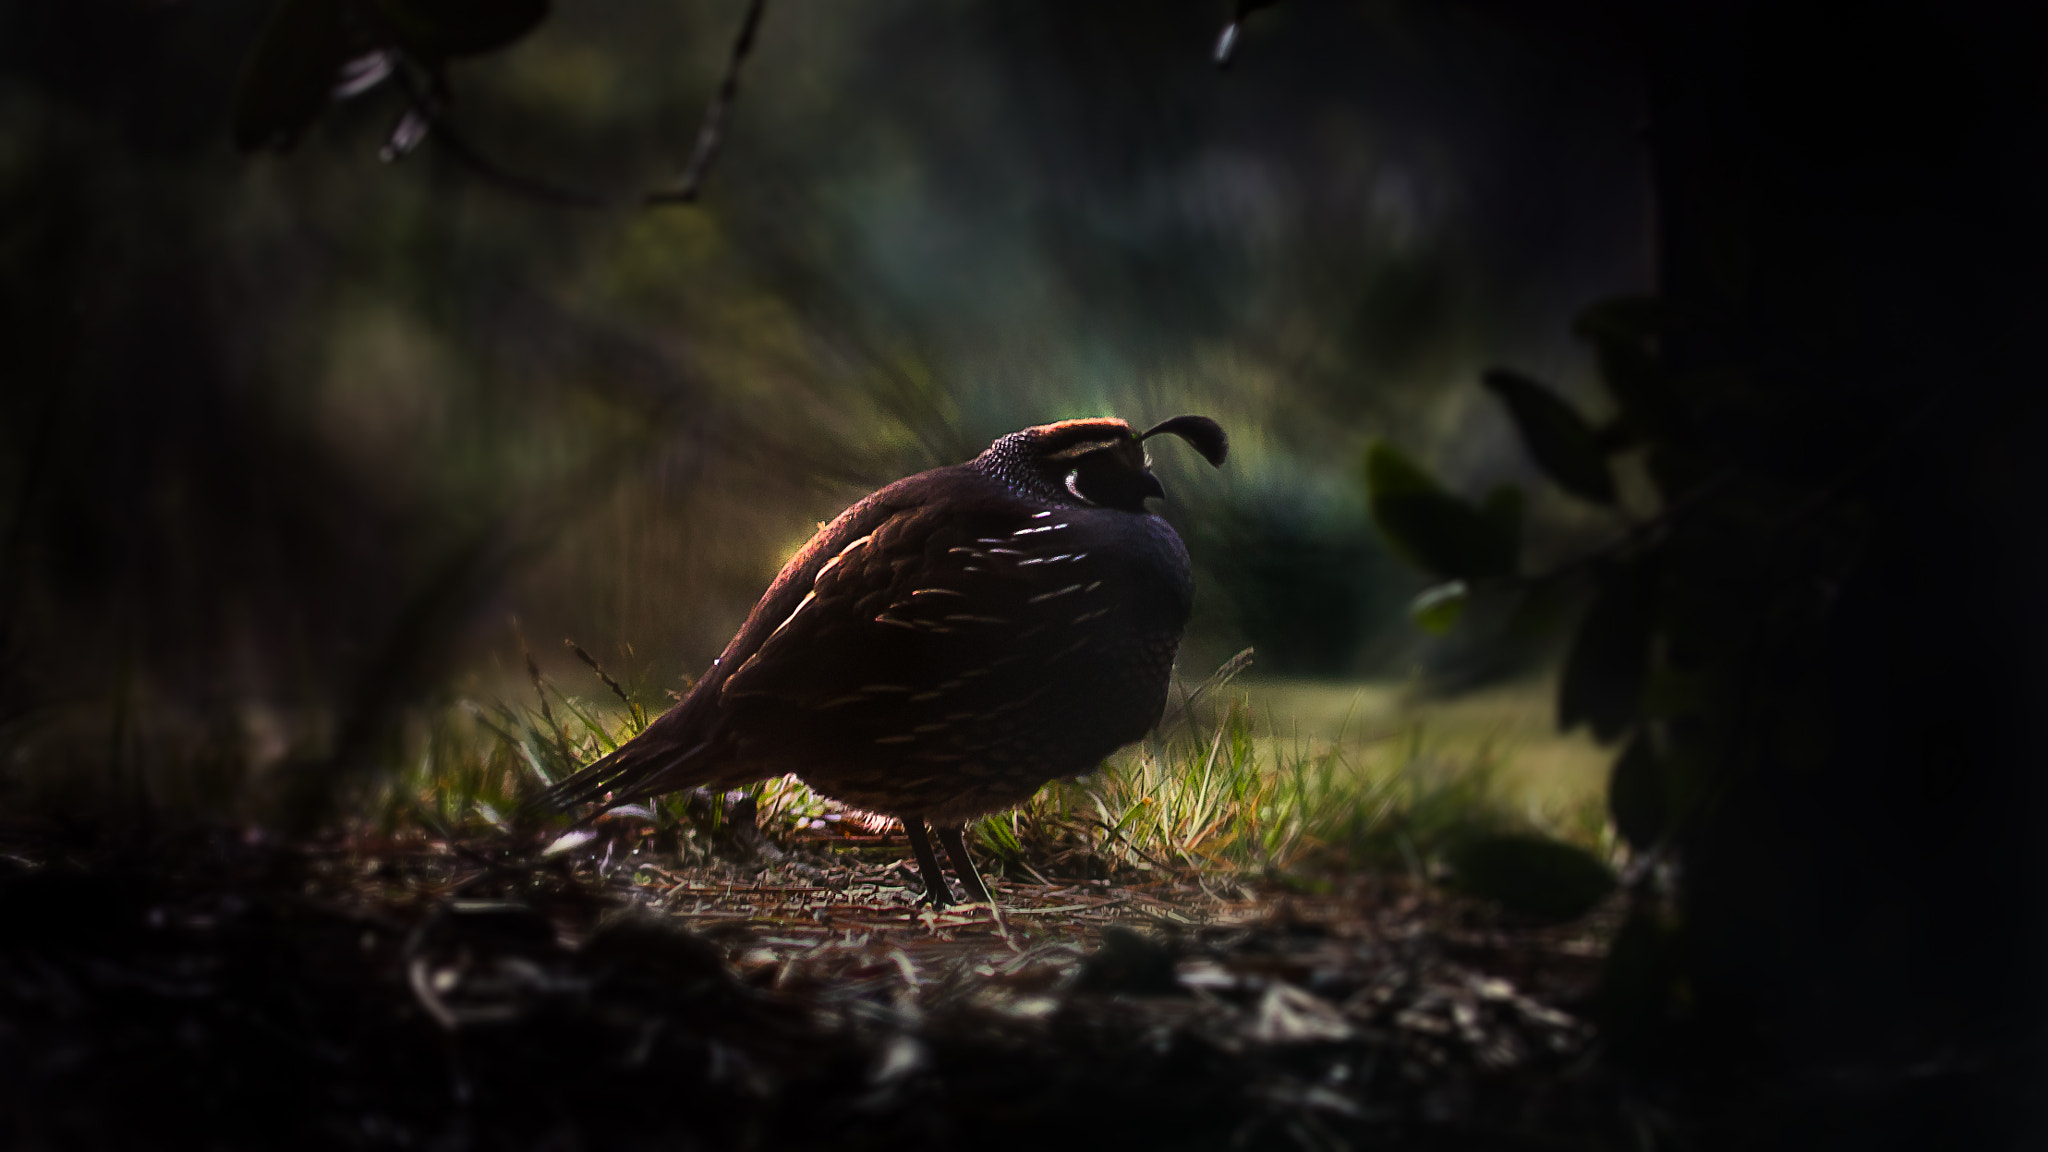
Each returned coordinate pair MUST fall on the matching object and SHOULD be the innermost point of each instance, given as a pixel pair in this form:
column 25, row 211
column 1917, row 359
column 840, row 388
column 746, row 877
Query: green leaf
column 289, row 74
column 1602, row 684
column 1431, row 528
column 1635, row 794
column 1531, row 875
column 1437, row 610
column 435, row 30
column 1563, row 443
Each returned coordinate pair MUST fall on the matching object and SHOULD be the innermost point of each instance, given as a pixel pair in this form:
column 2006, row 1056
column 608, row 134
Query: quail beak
column 1151, row 486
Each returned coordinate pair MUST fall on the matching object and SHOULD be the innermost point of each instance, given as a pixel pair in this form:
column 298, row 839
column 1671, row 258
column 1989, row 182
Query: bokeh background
column 289, row 441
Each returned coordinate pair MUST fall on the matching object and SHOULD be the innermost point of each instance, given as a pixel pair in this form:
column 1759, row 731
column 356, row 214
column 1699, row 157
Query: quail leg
column 956, row 848
column 927, row 863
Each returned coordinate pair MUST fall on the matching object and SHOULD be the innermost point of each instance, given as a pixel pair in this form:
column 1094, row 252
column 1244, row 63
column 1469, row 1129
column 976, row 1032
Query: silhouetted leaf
column 1621, row 332
column 1635, row 794
column 1431, row 528
column 435, row 30
column 1617, row 435
column 1502, row 508
column 1531, row 875
column 1561, row 441
column 290, row 73
column 1437, row 610
column 1602, row 685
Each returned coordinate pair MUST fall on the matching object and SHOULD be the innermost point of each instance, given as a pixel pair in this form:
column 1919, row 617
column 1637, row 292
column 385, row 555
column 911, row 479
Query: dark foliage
column 1817, row 645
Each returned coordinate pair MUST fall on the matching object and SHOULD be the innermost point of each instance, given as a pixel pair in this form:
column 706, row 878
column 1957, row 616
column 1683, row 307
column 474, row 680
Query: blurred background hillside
column 286, row 439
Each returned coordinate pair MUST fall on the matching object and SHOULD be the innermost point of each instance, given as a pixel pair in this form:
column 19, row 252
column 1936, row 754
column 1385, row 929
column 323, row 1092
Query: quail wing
column 934, row 624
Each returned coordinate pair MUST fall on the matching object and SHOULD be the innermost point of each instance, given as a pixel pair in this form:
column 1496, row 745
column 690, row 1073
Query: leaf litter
column 407, row 990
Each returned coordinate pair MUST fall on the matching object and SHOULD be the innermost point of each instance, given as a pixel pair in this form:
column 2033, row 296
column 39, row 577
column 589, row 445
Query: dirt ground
column 219, row 990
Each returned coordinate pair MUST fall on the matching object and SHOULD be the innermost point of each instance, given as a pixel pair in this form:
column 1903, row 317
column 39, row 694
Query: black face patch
column 1114, row 476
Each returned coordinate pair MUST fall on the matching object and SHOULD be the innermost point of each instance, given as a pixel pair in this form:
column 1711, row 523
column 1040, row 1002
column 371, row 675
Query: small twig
column 1114, row 902
column 1026, row 865
column 1119, row 834
column 426, row 104
column 632, row 709
column 1226, row 42
column 1915, row 423
column 995, row 912
column 546, row 713
column 423, row 102
column 1224, row 674
column 1678, row 510
column 1636, row 533
column 711, row 136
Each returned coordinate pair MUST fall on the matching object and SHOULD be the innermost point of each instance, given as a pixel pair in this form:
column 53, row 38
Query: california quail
column 947, row 645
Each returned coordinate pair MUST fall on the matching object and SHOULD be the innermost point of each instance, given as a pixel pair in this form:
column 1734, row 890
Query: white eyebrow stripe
column 1084, row 448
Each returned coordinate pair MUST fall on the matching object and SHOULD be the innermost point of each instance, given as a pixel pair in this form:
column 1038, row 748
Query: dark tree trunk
column 1854, row 216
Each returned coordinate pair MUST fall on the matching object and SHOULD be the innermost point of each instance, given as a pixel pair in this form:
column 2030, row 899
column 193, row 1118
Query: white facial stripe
column 1074, row 487
column 1085, row 448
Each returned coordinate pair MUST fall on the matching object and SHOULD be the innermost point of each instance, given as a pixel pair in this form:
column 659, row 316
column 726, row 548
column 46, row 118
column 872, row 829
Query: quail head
column 947, row 645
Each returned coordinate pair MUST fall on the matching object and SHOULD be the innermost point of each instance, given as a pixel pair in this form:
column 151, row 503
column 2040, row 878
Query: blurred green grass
column 1285, row 778
column 1545, row 773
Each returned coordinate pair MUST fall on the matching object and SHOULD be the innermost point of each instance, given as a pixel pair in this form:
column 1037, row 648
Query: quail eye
column 1074, row 486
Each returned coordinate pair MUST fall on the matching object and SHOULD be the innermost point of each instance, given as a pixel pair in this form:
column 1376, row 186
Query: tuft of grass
column 476, row 763
column 1216, row 798
column 1204, row 794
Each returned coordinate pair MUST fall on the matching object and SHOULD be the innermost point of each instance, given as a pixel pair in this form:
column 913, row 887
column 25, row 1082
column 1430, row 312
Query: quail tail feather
column 673, row 753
